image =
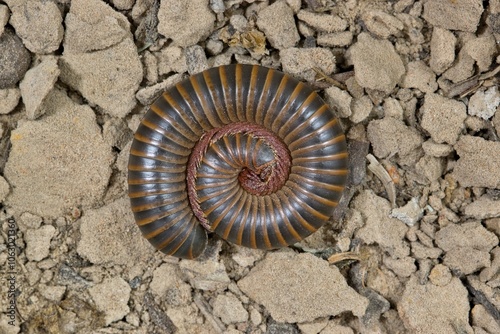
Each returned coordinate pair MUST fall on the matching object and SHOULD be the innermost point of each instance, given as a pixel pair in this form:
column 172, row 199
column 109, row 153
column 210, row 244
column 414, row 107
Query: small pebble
column 301, row 62
column 430, row 167
column 111, row 297
column 472, row 234
column 37, row 84
column 420, row 76
column 14, row 59
column 422, row 252
column 472, row 169
column 217, row 6
column 10, row 99
column 196, row 59
column 52, row 293
column 284, row 296
column 4, row 17
column 442, row 49
column 229, row 309
column 466, row 260
column 393, row 108
column 38, row 242
column 214, row 47
column 462, row 15
column 278, row 24
column 313, row 327
column 29, row 220
column 403, row 267
column 4, row 188
column 147, row 95
column 436, row 150
column 426, row 308
column 375, row 211
column 483, row 207
column 389, row 136
column 123, row 4
column 255, row 317
column 409, row 214
column 482, row 49
column 484, row 103
column 109, row 84
column 207, row 275
column 376, row 64
column 483, row 319
column 322, row 22
column 339, row 100
column 440, row 275
column 171, row 59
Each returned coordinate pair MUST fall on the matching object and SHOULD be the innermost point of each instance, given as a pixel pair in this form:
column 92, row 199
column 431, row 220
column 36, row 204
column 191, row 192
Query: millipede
column 244, row 151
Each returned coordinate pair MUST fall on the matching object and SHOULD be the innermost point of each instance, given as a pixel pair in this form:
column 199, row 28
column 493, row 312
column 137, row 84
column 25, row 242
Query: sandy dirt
column 413, row 246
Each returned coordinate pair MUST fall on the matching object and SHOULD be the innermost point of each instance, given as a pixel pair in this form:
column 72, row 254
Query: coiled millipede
column 244, row 151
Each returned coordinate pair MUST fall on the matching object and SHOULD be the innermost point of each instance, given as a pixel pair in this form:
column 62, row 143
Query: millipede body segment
column 243, row 151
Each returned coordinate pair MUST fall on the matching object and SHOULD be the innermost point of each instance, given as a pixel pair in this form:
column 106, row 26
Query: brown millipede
column 243, row 151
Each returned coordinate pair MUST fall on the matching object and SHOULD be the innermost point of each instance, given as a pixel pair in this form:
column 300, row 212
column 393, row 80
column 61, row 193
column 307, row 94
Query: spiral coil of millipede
column 243, row 151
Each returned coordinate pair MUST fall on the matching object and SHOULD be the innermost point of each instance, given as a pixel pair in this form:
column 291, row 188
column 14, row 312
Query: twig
column 339, row 257
column 206, row 310
column 468, row 86
column 384, row 176
column 330, row 80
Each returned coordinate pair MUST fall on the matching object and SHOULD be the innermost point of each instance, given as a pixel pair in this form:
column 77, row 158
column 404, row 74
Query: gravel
column 413, row 84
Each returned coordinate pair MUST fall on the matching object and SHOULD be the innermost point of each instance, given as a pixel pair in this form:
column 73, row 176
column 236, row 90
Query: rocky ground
column 413, row 247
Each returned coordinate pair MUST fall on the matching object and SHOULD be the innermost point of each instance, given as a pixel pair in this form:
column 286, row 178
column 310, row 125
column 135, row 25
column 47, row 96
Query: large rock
column 461, row 15
column 100, row 59
column 10, row 99
column 301, row 63
column 428, row 308
column 472, row 235
column 376, row 63
column 300, row 287
column 38, row 23
column 59, row 161
column 479, row 163
column 322, row 22
column 442, row 49
column 38, row 242
column 185, row 22
column 107, row 233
